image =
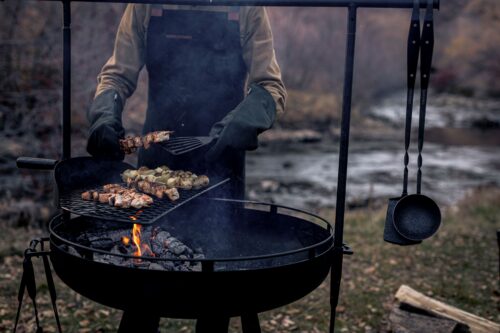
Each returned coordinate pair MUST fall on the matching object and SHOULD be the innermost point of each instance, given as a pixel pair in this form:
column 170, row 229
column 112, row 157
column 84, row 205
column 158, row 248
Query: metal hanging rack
column 351, row 5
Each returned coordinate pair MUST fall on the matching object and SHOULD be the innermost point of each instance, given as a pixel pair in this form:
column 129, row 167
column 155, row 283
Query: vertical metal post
column 336, row 270
column 66, row 110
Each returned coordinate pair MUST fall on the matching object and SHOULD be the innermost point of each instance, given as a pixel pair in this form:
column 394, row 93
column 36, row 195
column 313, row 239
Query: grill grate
column 73, row 202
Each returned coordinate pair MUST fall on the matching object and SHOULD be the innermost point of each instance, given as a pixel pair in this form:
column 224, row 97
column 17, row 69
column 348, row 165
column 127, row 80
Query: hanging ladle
column 390, row 233
column 416, row 216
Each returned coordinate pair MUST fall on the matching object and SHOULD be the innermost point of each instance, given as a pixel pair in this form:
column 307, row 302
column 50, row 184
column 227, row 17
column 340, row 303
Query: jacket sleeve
column 121, row 71
column 259, row 55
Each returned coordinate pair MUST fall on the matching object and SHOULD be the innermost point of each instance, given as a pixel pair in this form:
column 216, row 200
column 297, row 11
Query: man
column 200, row 62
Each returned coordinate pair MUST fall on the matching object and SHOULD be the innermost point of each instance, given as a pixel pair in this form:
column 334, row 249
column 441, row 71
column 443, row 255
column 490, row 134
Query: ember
column 125, row 240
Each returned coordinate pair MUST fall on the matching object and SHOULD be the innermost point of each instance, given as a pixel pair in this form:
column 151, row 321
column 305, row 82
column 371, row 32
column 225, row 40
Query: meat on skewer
column 131, row 143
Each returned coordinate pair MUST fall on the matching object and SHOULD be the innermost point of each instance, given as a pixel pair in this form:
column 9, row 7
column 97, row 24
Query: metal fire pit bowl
column 256, row 259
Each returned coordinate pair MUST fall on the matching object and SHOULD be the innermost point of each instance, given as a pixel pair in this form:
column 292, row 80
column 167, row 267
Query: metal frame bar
column 66, row 113
column 280, row 3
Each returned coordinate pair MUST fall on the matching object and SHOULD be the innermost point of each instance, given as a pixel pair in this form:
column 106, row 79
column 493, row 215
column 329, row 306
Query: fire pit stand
column 338, row 249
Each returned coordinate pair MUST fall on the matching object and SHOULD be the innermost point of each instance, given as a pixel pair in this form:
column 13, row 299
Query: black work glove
column 239, row 129
column 105, row 117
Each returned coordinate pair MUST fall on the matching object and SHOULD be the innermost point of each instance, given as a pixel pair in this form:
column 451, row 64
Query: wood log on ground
column 408, row 322
column 418, row 300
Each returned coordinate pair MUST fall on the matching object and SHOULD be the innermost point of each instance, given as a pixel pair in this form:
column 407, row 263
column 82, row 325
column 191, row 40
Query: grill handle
column 36, row 163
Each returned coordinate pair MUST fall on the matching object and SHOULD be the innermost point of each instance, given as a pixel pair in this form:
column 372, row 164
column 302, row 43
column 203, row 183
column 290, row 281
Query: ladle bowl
column 416, row 217
column 391, row 235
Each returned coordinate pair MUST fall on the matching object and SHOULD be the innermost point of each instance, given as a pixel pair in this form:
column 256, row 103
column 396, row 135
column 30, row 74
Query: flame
column 136, row 238
column 146, row 250
column 140, row 248
column 133, row 218
column 125, row 240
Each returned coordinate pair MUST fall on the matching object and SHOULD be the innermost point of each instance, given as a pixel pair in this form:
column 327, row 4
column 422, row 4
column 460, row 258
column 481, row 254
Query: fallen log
column 418, row 300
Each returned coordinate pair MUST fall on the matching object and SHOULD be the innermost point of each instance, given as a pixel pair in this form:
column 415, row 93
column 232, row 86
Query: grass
column 458, row 266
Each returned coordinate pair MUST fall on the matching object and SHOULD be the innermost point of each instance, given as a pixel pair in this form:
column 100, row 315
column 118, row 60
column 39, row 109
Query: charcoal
column 141, row 263
column 161, row 243
column 168, row 265
column 156, row 266
column 196, row 267
column 155, row 231
column 82, row 239
column 116, row 250
column 146, row 234
column 102, row 243
column 157, row 248
column 114, row 235
column 114, row 260
column 171, row 240
column 127, row 262
column 177, row 248
column 71, row 250
column 122, row 249
column 100, row 258
column 162, row 237
column 183, row 268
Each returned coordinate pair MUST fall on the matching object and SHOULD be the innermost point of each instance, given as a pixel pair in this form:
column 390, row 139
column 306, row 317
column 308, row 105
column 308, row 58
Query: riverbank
column 458, row 266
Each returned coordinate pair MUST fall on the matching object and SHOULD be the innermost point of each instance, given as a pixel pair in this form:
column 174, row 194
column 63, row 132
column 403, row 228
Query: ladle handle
column 427, row 47
column 412, row 59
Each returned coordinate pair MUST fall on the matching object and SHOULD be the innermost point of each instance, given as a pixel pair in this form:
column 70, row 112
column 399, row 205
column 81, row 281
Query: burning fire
column 140, row 248
column 136, row 238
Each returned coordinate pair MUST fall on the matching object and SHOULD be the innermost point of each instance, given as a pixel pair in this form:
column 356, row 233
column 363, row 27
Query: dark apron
column 196, row 76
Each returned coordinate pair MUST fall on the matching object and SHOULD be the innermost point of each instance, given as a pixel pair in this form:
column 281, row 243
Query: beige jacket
column 122, row 69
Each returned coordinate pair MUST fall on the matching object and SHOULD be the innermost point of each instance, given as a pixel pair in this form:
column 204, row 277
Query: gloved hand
column 105, row 117
column 240, row 128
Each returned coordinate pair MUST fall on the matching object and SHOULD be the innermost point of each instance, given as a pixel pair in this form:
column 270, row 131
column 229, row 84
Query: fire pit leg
column 250, row 323
column 133, row 322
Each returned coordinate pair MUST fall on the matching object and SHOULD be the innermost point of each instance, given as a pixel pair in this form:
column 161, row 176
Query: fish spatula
column 185, row 144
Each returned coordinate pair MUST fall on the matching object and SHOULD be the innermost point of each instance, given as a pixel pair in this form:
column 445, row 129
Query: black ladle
column 391, row 235
column 416, row 216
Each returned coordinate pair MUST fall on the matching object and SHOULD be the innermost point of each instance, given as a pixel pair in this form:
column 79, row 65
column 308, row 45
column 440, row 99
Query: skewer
column 131, row 143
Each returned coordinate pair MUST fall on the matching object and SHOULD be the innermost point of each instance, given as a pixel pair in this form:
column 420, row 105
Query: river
column 305, row 175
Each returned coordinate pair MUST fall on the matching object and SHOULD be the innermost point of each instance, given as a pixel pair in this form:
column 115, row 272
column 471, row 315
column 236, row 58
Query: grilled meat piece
column 137, row 141
column 157, row 189
column 171, row 178
column 201, row 181
column 131, row 143
column 119, row 196
column 104, row 197
column 86, row 195
column 172, row 194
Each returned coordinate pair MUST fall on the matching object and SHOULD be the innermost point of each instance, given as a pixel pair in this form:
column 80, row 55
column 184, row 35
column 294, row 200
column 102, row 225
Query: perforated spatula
column 185, row 144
